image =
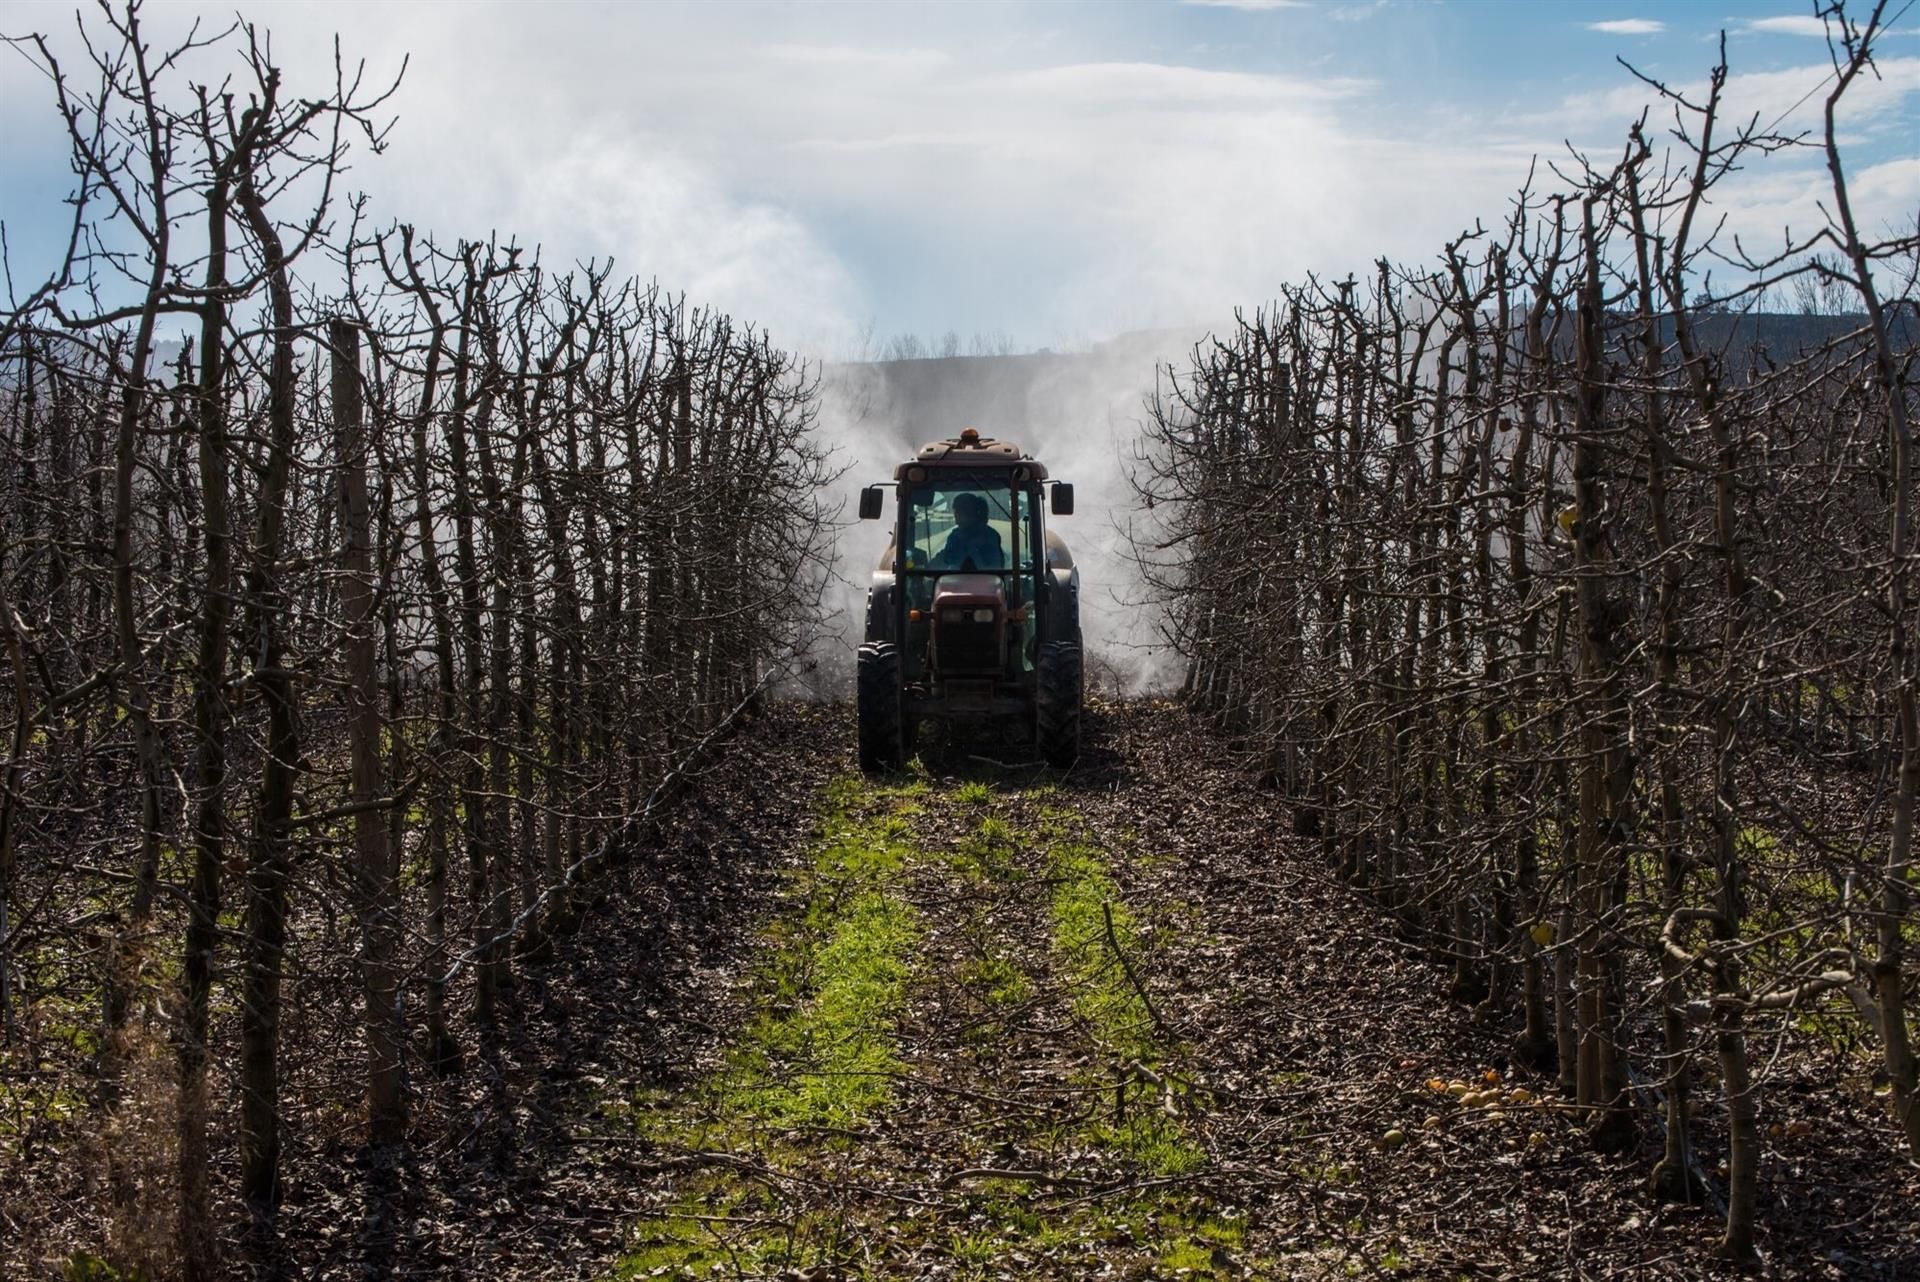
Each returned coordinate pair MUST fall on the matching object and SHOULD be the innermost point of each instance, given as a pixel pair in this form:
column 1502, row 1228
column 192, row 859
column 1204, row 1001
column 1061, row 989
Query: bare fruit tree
column 311, row 599
column 1573, row 604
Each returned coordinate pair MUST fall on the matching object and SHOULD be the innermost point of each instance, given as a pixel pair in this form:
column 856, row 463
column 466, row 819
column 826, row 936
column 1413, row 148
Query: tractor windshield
column 967, row 525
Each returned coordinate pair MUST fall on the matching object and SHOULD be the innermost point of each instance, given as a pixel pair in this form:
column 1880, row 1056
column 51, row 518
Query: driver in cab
column 973, row 544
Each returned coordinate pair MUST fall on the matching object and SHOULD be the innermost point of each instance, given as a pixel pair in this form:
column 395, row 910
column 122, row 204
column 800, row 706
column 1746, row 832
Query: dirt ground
column 1004, row 1023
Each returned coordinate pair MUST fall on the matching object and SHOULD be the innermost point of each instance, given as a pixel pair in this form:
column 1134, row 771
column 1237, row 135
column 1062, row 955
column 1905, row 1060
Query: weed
column 977, row 1249
column 1186, row 1255
column 1154, row 1140
column 1001, row 982
column 1083, row 898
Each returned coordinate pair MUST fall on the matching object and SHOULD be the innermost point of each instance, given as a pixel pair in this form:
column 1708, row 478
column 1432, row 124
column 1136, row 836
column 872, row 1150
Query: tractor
column 973, row 618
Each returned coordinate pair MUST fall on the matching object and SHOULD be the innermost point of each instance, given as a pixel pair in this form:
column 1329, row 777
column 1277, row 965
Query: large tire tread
column 1057, row 710
column 882, row 727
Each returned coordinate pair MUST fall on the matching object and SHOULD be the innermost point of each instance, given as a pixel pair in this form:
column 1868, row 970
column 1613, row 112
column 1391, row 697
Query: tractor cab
column 973, row 616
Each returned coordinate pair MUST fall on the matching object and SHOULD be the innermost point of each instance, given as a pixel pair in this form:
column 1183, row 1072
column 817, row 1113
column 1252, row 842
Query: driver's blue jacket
column 980, row 544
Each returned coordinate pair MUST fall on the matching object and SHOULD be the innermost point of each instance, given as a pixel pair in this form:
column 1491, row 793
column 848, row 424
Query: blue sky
column 1052, row 172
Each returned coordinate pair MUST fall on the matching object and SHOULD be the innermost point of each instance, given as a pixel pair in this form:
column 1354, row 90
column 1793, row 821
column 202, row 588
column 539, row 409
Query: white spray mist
column 1080, row 413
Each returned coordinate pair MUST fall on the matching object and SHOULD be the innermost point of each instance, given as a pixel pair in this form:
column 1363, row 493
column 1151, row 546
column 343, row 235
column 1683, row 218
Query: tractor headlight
column 983, row 615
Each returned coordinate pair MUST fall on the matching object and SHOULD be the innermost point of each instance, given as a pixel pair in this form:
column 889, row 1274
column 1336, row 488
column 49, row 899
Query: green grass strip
column 820, row 1054
column 1084, row 898
column 831, row 1061
column 1083, row 892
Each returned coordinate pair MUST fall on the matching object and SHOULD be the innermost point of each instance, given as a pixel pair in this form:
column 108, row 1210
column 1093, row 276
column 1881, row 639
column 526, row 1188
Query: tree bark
column 268, row 863
column 376, row 882
column 211, row 716
column 1605, row 768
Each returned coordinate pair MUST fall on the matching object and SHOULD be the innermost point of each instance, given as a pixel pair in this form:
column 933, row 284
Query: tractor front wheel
column 1057, row 716
column 882, row 723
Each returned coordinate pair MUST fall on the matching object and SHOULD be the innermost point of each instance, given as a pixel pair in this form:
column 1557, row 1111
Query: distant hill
column 1785, row 335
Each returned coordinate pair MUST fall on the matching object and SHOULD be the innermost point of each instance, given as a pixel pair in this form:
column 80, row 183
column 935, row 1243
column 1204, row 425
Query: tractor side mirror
column 872, row 503
column 1062, row 498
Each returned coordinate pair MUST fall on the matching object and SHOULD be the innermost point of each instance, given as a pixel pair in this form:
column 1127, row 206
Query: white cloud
column 1790, row 99
column 972, row 178
column 1789, row 25
column 1761, row 207
column 1106, row 83
column 1629, row 26
column 901, row 142
column 663, row 216
column 850, row 55
column 1767, row 196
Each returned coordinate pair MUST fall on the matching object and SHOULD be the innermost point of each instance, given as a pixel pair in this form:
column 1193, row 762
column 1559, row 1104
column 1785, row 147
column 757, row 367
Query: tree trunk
column 376, row 882
column 1605, row 768
column 210, row 720
column 268, row 864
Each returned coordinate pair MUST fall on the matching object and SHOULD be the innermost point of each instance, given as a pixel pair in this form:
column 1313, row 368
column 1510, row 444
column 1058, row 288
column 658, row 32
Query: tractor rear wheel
column 882, row 723
column 1057, row 710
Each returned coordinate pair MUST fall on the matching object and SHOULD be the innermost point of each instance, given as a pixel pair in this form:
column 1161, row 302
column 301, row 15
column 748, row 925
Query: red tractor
column 973, row 619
